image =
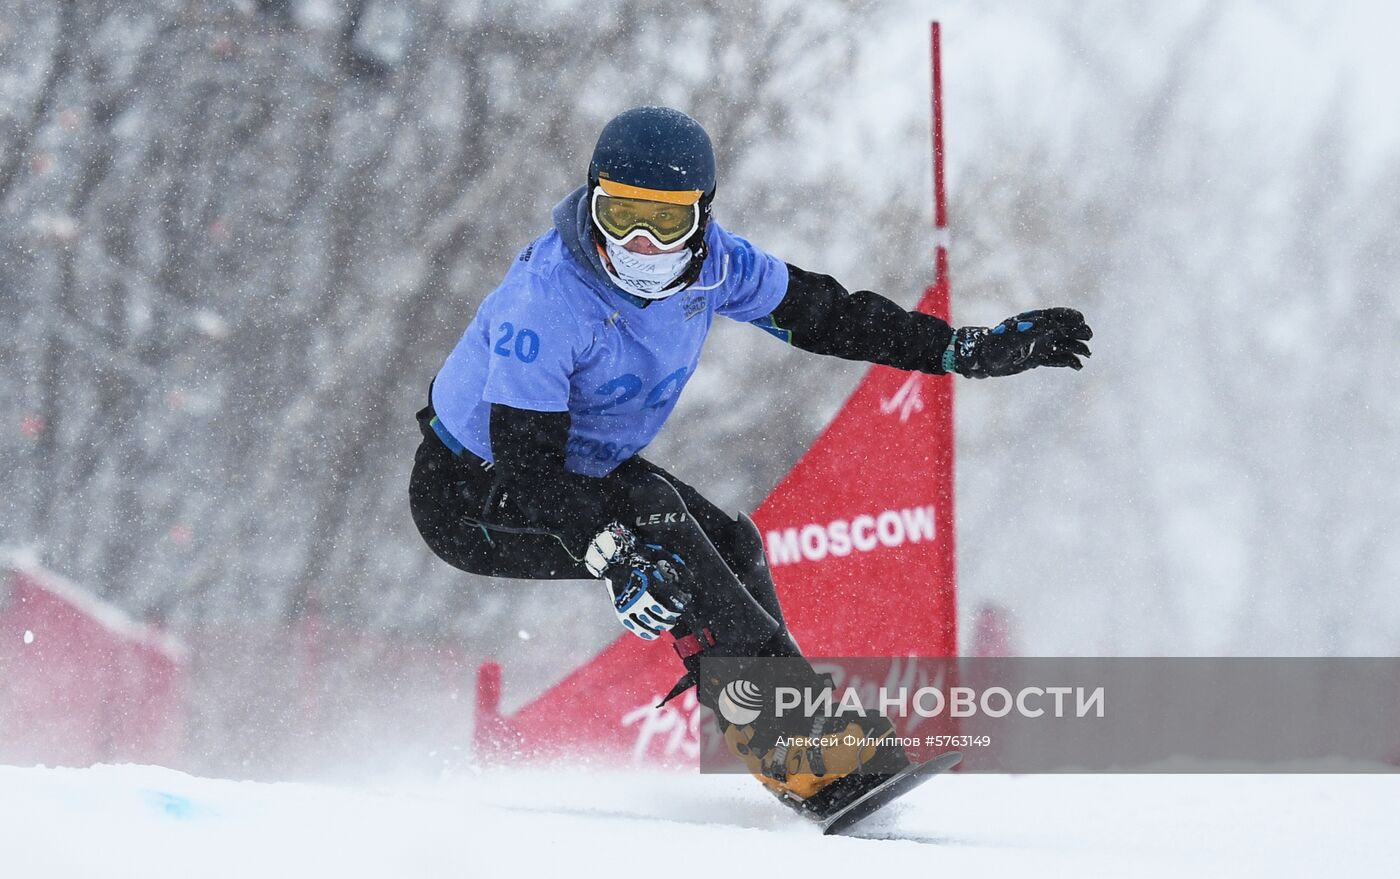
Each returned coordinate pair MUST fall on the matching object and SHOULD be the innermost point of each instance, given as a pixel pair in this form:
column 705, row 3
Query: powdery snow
column 152, row 822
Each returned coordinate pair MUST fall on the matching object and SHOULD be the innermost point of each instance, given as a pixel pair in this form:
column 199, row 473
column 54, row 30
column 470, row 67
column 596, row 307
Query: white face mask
column 647, row 275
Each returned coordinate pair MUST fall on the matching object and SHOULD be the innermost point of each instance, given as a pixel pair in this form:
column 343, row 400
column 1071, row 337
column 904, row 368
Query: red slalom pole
column 940, row 203
column 937, row 301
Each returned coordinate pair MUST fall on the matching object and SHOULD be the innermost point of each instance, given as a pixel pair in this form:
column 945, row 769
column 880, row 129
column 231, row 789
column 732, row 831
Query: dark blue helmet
column 655, row 148
column 657, row 154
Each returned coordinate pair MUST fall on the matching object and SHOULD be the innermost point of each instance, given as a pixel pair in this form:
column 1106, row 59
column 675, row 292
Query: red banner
column 80, row 682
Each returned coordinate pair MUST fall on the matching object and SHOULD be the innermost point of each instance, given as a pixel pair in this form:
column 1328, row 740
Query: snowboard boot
column 813, row 764
column 825, row 767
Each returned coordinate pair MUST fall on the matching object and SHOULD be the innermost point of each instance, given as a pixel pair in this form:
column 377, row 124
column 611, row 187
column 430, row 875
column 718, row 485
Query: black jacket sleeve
column 531, row 480
column 822, row 317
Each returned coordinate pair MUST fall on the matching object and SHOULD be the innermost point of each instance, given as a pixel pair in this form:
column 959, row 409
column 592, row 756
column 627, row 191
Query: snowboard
column 892, row 789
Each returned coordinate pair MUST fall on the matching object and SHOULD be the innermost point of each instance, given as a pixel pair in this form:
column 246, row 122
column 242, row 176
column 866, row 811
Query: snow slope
column 151, row 822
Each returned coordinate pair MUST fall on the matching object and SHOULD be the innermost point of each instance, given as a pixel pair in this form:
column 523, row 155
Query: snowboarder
column 530, row 465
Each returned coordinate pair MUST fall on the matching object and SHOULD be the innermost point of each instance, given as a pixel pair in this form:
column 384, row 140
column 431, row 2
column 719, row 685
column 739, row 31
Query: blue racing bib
column 555, row 336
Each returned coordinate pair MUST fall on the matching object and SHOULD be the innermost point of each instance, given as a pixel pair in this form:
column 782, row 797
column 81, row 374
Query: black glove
column 648, row 584
column 1045, row 337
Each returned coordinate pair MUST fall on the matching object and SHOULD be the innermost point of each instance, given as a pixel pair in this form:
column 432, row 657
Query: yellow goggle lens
column 668, row 223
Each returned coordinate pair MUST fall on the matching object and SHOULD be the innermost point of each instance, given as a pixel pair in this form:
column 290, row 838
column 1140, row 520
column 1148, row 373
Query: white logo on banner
column 842, row 537
column 908, row 400
column 671, row 731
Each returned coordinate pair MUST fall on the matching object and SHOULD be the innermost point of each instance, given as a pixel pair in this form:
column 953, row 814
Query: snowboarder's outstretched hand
column 1045, row 337
column 646, row 582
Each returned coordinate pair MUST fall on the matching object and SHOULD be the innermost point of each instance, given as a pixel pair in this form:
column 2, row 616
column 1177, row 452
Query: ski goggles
column 625, row 212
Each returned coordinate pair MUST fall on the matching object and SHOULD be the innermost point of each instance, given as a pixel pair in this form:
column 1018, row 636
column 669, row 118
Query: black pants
column 453, row 501
column 449, row 495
